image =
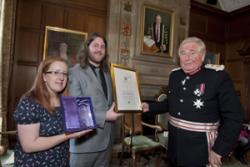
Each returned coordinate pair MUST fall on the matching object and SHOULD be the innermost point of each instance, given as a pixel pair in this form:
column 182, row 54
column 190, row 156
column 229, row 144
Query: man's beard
column 91, row 58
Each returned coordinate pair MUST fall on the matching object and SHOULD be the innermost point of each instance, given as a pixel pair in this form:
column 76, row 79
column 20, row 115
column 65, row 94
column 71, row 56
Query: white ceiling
column 228, row 5
column 231, row 5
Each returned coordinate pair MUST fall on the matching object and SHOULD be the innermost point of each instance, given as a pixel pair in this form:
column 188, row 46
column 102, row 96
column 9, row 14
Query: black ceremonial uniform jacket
column 207, row 96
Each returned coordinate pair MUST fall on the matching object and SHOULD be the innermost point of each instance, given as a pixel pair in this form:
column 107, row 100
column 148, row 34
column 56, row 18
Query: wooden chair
column 135, row 142
column 3, row 149
column 242, row 149
column 161, row 120
column 161, row 135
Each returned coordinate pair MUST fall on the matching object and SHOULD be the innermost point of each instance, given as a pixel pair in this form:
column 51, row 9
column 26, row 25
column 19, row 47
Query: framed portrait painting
column 212, row 58
column 157, row 29
column 63, row 42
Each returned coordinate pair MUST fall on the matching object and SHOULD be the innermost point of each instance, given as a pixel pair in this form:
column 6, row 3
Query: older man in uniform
column 205, row 112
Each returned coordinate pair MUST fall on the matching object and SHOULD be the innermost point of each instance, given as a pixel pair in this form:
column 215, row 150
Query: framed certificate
column 78, row 113
column 126, row 89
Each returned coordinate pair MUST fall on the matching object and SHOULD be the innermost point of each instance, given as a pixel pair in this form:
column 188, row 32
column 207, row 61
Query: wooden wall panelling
column 95, row 5
column 53, row 15
column 237, row 33
column 30, row 14
column 28, row 48
column 216, row 47
column 216, row 28
column 96, row 23
column 27, row 43
column 207, row 23
column 26, row 51
column 85, row 21
column 76, row 19
column 24, row 81
column 238, row 25
column 235, row 69
column 198, row 25
column 24, row 77
column 232, row 48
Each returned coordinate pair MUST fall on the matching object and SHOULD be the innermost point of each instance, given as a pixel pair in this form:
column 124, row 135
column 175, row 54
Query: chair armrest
column 127, row 128
column 13, row 132
column 157, row 127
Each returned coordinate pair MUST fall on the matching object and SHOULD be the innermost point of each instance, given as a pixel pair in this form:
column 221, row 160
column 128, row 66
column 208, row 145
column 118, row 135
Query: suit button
column 179, row 113
column 184, row 88
column 181, row 100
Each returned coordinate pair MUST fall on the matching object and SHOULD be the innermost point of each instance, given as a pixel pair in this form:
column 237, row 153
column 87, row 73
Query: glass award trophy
column 78, row 113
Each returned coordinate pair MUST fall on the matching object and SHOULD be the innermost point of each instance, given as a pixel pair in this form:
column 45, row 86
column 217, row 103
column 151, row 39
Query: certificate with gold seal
column 126, row 89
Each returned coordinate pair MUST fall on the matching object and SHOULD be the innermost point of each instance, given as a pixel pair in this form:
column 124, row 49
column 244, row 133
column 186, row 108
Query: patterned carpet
column 229, row 162
column 232, row 162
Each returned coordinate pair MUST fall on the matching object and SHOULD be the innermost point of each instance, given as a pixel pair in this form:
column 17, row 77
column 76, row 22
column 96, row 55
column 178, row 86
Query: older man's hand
column 145, row 107
column 214, row 159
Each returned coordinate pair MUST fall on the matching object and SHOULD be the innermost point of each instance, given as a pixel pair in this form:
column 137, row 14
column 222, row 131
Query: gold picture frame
column 63, row 42
column 212, row 58
column 157, row 41
column 125, row 89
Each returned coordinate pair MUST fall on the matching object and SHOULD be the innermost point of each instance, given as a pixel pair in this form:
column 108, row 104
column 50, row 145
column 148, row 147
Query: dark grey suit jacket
column 83, row 82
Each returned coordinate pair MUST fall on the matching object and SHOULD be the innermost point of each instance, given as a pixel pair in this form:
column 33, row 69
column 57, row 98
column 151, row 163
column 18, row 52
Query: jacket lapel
column 109, row 87
column 91, row 74
column 97, row 83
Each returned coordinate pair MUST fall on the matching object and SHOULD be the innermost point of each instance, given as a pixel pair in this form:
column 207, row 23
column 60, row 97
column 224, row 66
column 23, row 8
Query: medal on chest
column 198, row 103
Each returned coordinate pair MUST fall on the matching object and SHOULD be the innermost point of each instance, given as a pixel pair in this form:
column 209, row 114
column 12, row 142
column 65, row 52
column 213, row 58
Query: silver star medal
column 198, row 103
column 197, row 92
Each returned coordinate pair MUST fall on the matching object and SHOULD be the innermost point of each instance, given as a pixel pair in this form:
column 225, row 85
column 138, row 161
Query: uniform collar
column 196, row 72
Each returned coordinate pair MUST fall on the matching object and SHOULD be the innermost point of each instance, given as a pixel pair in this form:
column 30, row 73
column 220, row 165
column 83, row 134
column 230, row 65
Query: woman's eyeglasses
column 57, row 73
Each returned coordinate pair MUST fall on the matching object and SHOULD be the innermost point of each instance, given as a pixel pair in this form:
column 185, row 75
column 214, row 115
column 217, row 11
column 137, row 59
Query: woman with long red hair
column 41, row 139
